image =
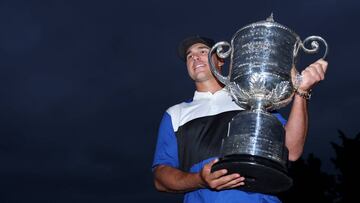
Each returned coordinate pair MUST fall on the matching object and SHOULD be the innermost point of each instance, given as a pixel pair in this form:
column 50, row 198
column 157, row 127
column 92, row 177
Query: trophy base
column 261, row 175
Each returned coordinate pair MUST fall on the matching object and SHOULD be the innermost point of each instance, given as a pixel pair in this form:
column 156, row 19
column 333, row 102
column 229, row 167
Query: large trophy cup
column 262, row 77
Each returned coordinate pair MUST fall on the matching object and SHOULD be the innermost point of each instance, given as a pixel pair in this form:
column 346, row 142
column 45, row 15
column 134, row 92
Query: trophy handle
column 220, row 52
column 314, row 49
column 314, row 45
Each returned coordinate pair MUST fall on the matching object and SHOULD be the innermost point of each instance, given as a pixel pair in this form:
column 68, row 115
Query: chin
column 201, row 78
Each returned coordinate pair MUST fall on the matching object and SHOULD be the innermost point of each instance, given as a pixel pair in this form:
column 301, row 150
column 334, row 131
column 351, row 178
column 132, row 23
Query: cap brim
column 188, row 42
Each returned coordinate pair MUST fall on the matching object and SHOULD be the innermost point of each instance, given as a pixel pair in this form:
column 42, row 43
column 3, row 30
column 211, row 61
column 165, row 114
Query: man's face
column 197, row 62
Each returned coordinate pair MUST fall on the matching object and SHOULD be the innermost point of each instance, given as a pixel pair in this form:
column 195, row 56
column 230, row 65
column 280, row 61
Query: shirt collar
column 207, row 95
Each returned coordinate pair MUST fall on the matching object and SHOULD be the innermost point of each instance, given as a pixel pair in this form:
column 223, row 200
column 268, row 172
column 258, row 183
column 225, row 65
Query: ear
column 220, row 62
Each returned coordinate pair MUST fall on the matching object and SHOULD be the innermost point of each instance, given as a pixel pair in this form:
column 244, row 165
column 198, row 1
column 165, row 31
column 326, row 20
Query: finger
column 237, row 185
column 208, row 166
column 323, row 63
column 214, row 161
column 314, row 72
column 224, row 179
column 307, row 76
column 211, row 163
column 234, row 186
column 318, row 71
column 209, row 176
column 233, row 183
column 218, row 174
column 307, row 79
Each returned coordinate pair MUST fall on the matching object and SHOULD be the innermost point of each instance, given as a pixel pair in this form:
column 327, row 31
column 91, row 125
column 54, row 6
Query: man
column 190, row 133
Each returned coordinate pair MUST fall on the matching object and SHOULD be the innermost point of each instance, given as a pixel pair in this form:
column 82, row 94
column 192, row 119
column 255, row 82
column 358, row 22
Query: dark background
column 83, row 86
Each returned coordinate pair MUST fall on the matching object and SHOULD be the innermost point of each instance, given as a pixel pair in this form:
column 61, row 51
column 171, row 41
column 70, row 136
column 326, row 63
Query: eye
column 204, row 51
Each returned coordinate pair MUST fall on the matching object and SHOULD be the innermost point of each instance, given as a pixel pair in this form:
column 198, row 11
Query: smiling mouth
column 199, row 66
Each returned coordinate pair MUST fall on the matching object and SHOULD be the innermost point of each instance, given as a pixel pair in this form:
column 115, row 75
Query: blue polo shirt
column 190, row 136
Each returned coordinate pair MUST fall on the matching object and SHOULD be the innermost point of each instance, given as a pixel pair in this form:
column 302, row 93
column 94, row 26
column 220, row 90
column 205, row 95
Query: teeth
column 200, row 65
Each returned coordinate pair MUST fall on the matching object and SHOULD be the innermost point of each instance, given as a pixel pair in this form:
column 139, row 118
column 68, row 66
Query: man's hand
column 218, row 180
column 313, row 74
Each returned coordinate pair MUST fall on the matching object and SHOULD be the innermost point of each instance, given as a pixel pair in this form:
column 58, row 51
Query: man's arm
column 169, row 179
column 297, row 125
column 296, row 128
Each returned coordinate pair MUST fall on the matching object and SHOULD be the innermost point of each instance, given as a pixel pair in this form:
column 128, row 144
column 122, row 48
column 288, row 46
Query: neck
column 209, row 86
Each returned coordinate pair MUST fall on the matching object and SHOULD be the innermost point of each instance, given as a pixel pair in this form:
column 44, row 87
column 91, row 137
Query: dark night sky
column 84, row 84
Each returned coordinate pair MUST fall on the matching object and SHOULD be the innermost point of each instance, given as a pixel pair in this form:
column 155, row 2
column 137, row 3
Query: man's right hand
column 219, row 180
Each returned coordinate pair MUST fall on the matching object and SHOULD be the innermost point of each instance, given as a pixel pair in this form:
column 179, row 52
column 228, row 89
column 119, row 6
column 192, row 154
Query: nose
column 195, row 57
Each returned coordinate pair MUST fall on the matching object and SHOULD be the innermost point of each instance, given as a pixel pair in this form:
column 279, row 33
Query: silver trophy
column 262, row 78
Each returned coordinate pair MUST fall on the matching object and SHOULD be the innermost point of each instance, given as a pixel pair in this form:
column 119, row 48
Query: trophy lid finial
column 270, row 18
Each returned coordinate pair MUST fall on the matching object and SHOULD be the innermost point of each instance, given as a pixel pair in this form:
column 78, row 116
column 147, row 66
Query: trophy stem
column 259, row 104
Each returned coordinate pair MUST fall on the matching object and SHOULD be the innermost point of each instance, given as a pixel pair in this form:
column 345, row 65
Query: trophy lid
column 269, row 23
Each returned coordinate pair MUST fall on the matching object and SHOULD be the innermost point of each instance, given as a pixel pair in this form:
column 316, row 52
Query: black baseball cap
column 188, row 42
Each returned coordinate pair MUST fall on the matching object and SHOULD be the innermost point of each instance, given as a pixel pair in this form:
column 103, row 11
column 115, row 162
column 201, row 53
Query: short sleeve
column 279, row 117
column 166, row 147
